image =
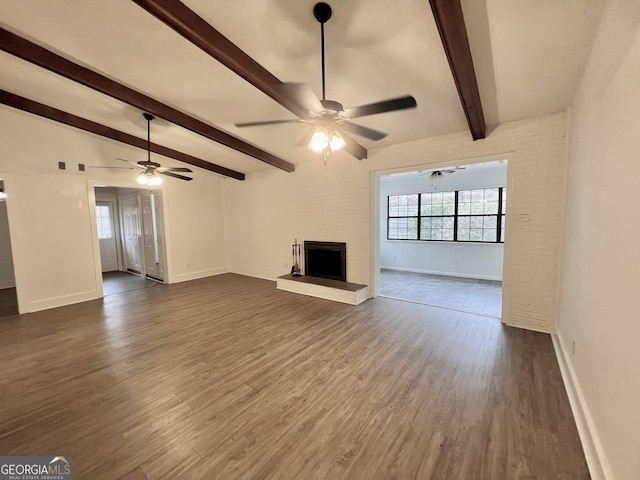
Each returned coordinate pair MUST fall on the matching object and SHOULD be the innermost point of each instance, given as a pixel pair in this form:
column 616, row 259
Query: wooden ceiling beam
column 29, row 51
column 450, row 22
column 36, row 108
column 196, row 30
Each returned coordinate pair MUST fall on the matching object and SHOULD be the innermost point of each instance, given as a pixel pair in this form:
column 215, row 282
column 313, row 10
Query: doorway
column 130, row 227
column 440, row 236
column 106, row 218
column 8, row 293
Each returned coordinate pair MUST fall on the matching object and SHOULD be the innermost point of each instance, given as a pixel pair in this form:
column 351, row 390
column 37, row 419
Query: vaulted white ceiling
column 528, row 57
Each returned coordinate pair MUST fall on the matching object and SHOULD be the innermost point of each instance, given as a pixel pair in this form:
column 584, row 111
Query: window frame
column 499, row 216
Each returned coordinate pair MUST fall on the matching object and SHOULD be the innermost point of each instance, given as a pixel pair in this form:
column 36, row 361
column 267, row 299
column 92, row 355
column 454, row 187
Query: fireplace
column 326, row 260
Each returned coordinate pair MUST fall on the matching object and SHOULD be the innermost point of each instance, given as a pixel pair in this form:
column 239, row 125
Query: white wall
column 600, row 294
column 265, row 213
column 473, row 260
column 7, row 279
column 50, row 211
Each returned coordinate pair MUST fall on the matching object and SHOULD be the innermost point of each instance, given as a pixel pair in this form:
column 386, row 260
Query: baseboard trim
column 593, row 452
column 61, row 301
column 447, row 274
column 185, row 277
column 525, row 326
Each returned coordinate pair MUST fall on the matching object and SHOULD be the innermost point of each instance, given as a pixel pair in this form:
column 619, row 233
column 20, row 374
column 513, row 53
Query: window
column 460, row 216
column 403, row 217
column 103, row 215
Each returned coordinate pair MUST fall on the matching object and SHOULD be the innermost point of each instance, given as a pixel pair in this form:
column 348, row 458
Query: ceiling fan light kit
column 330, row 119
column 149, row 179
column 324, row 138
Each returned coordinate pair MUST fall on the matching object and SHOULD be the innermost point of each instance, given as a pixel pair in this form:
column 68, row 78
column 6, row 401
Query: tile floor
column 482, row 297
column 118, row 282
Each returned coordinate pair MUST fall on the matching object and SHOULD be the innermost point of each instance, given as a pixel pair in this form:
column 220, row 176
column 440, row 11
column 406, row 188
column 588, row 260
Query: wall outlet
column 573, row 347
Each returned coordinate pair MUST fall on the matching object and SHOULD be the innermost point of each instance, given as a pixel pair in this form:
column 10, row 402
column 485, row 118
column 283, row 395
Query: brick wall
column 266, row 212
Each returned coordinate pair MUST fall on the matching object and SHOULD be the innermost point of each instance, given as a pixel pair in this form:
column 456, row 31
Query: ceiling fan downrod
column 149, row 117
column 322, row 12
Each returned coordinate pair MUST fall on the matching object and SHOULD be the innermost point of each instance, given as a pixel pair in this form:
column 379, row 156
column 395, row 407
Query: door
column 152, row 234
column 107, row 236
column 131, row 231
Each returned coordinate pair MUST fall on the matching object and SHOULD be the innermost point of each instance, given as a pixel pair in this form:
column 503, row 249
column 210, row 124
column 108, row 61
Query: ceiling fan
column 329, row 117
column 439, row 174
column 150, row 170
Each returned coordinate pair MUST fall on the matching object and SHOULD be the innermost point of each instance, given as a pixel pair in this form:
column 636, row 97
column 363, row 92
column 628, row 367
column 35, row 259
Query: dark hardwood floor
column 8, row 302
column 229, row 378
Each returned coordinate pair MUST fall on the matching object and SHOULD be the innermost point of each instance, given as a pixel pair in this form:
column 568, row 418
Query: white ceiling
column 528, row 56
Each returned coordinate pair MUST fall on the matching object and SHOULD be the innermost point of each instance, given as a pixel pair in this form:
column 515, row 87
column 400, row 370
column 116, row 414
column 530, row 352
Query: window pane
column 449, row 197
column 502, row 231
column 489, row 235
column 463, row 222
column 464, row 196
column 491, row 208
column 477, row 195
column 464, row 208
column 403, row 228
column 477, row 208
column 403, row 205
column 412, row 205
column 447, row 222
column 436, row 209
column 491, row 194
column 504, row 200
column 426, row 204
column 475, row 234
column 448, row 209
column 463, row 234
column 447, row 234
column 436, row 234
column 103, row 217
column 476, row 222
column 425, row 223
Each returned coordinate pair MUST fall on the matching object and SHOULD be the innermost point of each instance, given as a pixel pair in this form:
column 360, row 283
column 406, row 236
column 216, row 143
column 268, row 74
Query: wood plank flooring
column 229, row 378
column 8, row 302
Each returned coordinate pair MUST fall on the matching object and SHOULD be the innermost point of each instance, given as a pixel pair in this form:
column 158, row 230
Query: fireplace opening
column 326, row 260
